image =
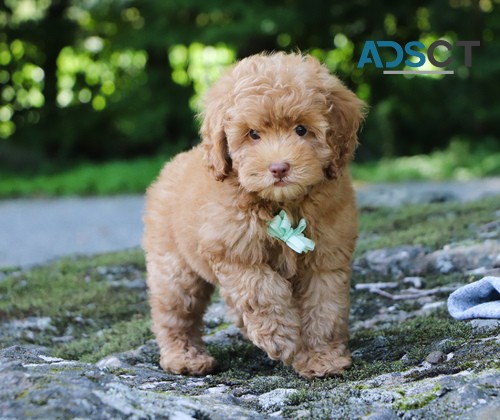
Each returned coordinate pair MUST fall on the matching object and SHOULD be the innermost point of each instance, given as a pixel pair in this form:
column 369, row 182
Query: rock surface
column 75, row 340
column 41, row 386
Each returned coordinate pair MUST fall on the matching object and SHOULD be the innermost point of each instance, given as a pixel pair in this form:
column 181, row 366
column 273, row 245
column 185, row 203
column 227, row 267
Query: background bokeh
column 100, row 80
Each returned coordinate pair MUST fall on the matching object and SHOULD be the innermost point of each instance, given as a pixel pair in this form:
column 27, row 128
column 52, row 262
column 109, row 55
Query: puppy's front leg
column 325, row 313
column 263, row 299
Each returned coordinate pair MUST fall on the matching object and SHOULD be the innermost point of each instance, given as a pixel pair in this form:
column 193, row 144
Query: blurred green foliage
column 132, row 176
column 99, row 80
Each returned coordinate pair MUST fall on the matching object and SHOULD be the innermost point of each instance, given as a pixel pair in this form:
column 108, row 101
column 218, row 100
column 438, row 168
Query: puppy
column 277, row 134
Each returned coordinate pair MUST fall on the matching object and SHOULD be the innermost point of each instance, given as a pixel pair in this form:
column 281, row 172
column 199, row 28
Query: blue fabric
column 480, row 299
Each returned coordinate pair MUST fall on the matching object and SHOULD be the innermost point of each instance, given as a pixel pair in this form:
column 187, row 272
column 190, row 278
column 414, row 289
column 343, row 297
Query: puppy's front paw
column 278, row 347
column 187, row 363
column 280, row 344
column 327, row 362
column 278, row 336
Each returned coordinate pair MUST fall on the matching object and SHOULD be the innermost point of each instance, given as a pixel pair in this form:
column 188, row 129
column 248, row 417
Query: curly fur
column 201, row 232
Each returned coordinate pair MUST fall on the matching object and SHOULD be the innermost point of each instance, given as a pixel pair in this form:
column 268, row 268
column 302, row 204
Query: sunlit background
column 110, row 88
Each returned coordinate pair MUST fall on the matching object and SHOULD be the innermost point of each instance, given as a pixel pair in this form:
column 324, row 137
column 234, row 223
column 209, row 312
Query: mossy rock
column 83, row 311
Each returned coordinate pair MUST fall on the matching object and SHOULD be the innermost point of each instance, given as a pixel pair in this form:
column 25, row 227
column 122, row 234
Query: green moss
column 123, row 335
column 417, row 401
column 117, row 371
column 432, row 225
column 23, row 394
column 381, row 353
column 414, row 338
column 76, row 294
column 215, row 296
column 360, row 387
column 219, row 327
column 239, row 362
column 366, row 369
column 302, row 396
column 72, row 285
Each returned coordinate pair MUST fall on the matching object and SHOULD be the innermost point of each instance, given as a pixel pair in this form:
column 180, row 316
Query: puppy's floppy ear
column 346, row 114
column 216, row 153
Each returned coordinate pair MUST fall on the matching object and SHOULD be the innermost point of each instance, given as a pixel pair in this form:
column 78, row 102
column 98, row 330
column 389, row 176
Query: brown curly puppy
column 278, row 132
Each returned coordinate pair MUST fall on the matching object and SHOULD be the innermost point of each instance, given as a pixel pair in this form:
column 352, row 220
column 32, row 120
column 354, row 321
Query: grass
column 458, row 162
column 112, row 178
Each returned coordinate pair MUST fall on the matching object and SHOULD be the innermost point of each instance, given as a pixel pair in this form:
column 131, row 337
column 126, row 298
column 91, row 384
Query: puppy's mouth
column 282, row 183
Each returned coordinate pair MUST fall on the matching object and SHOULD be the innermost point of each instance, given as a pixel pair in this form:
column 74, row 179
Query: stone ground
column 75, row 340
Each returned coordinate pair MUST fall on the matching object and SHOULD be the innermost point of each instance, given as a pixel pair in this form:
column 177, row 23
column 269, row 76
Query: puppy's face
column 276, row 140
column 281, row 124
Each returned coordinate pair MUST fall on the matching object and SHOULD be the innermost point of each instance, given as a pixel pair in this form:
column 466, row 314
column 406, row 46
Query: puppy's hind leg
column 178, row 299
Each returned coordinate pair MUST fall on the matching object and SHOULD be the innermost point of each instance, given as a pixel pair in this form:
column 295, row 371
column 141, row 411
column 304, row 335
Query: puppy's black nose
column 279, row 169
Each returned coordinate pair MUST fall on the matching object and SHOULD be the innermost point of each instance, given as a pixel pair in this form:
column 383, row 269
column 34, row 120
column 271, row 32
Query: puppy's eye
column 254, row 135
column 301, row 130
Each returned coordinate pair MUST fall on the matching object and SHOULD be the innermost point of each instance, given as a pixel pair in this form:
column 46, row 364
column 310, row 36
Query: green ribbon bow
column 281, row 228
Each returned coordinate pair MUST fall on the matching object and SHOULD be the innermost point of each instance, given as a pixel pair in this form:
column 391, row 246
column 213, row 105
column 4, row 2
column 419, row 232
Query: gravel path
column 34, row 231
